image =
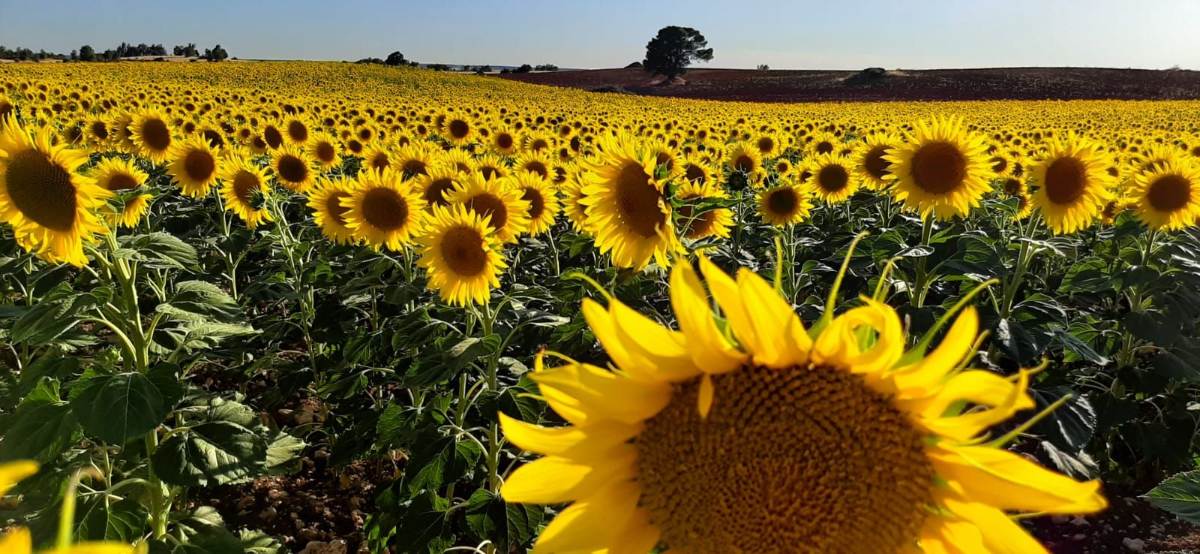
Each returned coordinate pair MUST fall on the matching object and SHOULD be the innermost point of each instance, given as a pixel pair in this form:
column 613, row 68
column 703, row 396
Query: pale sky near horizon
column 576, row 33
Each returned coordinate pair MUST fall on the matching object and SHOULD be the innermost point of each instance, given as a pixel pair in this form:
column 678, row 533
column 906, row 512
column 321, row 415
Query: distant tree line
column 393, row 59
column 526, row 68
column 86, row 53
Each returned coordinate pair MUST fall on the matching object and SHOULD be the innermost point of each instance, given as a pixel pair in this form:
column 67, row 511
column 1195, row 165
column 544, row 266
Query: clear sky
column 609, row 33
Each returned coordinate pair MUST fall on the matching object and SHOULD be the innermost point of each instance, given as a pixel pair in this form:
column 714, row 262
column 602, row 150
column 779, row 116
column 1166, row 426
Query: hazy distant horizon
column 931, row 34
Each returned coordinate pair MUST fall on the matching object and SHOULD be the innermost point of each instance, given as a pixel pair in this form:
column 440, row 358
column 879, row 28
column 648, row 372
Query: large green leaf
column 1180, row 495
column 213, row 453
column 118, row 407
column 41, row 428
column 510, row 525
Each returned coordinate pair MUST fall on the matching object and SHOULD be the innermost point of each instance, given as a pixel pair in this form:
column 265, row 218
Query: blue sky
column 596, row 33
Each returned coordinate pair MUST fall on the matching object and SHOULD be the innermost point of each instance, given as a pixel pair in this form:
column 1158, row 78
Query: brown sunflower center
column 504, row 141
column 99, row 130
column 939, row 167
column 156, row 135
column 41, row 189
column 638, row 201
column 459, row 128
column 537, row 204
column 875, row 163
column 766, row 145
column 463, row 250
column 744, row 163
column 273, row 137
column 292, row 169
column 805, row 459
column 833, row 178
column 783, row 201
column 1066, row 180
column 435, row 193
column 538, row 167
column 824, row 147
column 1169, row 193
column 488, row 205
column 698, row 226
column 333, row 205
column 245, row 184
column 999, row 164
column 380, row 161
column 413, row 167
column 325, row 152
column 695, row 174
column 384, row 208
column 297, row 131
column 122, row 181
column 199, row 165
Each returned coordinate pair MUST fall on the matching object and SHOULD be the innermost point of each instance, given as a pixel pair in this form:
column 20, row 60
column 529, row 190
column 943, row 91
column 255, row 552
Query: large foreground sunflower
column 462, row 255
column 941, row 169
column 50, row 207
column 758, row 435
column 1073, row 186
column 1168, row 195
column 626, row 206
column 382, row 211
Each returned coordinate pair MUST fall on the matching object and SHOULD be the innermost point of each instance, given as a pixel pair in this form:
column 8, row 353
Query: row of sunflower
column 464, row 176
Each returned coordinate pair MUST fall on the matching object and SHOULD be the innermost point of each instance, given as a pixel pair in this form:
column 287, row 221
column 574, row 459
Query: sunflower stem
column 920, row 286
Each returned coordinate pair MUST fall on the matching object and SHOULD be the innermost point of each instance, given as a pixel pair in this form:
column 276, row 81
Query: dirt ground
column 937, row 84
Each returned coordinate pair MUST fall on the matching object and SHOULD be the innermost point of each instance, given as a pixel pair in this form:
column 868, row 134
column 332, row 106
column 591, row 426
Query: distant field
column 1019, row 83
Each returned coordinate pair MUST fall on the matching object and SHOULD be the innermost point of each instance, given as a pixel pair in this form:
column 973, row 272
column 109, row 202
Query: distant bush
column 546, row 67
column 525, row 68
column 764, row 67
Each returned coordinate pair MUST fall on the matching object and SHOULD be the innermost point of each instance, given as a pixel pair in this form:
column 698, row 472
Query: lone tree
column 675, row 48
column 87, row 53
column 395, row 58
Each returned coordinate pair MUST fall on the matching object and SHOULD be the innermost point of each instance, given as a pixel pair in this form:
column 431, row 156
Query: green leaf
column 118, row 407
column 162, row 251
column 1089, row 275
column 283, row 454
column 511, row 526
column 52, row 365
column 258, row 542
column 124, row 520
column 423, row 527
column 41, row 428
column 213, row 453
column 1180, row 495
column 441, row 462
column 1072, row 343
column 206, row 534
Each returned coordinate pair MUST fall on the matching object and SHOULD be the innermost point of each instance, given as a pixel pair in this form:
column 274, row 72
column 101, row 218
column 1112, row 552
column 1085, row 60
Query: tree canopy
column 673, row 49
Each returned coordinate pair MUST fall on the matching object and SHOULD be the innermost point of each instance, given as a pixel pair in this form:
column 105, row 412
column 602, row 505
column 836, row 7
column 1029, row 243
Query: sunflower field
column 485, row 316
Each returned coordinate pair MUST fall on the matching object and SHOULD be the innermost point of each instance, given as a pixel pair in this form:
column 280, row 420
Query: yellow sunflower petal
column 17, row 541
column 601, row 322
column 710, row 351
column 775, row 323
column 664, row 348
column 1000, row 533
column 933, row 368
column 1011, row 482
column 725, row 291
column 554, row 479
column 592, row 523
column 572, row 442
column 12, row 473
column 591, row 394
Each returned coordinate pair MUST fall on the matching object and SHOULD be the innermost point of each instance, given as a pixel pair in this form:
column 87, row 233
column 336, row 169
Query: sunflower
column 743, row 158
column 295, row 130
column 323, row 150
column 769, row 144
column 536, row 162
column 871, row 166
column 272, row 136
column 697, row 169
column 461, row 254
column 194, row 166
column 712, row 222
column 627, row 210
column 784, row 204
column 458, row 130
column 542, row 200
column 490, row 166
column 292, row 168
column 328, row 211
column 831, row 178
column 941, row 169
column 97, row 132
column 412, row 160
column 50, row 207
column 823, row 143
column 244, row 189
column 437, row 184
column 574, row 193
column 150, row 133
column 377, row 157
column 1073, row 185
column 499, row 201
column 757, row 435
column 121, row 177
column 1168, row 195
column 382, row 211
column 504, row 142
column 459, row 159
